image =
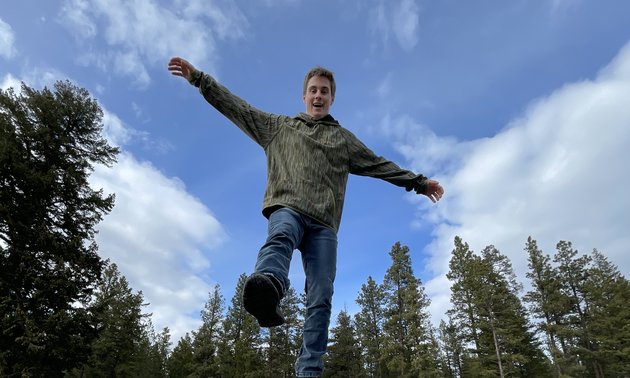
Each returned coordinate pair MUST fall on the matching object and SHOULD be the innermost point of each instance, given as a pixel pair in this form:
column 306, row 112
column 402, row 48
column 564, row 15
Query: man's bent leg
column 319, row 257
column 285, row 231
column 266, row 286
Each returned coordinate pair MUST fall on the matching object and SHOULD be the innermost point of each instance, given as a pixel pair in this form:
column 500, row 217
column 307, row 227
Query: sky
column 520, row 109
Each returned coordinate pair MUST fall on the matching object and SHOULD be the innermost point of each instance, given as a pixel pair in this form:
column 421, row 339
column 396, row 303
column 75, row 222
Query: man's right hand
column 181, row 67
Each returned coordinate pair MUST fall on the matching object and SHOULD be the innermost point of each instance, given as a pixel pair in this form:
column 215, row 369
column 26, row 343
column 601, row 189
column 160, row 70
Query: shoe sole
column 260, row 298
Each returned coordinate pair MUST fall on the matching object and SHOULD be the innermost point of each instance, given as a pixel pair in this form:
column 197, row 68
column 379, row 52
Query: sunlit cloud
column 558, row 172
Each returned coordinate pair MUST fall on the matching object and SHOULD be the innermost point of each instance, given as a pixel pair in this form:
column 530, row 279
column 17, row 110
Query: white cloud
column 10, row 81
column 401, row 18
column 7, row 40
column 384, row 87
column 35, row 78
column 559, row 172
column 142, row 33
column 271, row 3
column 558, row 6
column 405, row 24
column 159, row 236
column 76, row 18
column 136, row 109
column 379, row 25
column 130, row 64
column 227, row 22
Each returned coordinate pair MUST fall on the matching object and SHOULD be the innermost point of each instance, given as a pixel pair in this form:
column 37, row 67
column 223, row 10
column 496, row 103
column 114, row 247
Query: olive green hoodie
column 308, row 160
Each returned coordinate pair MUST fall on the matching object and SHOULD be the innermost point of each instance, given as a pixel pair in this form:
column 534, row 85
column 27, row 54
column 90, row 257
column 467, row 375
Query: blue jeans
column 289, row 230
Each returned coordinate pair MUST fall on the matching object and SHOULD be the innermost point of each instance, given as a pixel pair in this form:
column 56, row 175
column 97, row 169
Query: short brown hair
column 321, row 71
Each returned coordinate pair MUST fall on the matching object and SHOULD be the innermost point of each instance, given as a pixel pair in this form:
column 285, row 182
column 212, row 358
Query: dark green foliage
column 49, row 143
column 608, row 298
column 343, row 356
column 239, row 351
column 494, row 324
column 409, row 346
column 153, row 351
column 205, row 362
column 550, row 306
column 452, row 349
column 283, row 342
column 369, row 325
column 180, row 361
column 115, row 353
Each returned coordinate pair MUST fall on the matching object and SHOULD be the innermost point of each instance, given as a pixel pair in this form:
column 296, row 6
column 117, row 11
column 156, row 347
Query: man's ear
column 332, row 100
column 304, row 99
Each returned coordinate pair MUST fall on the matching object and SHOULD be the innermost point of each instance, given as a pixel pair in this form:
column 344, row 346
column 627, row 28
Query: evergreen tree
column 343, row 352
column 49, row 264
column 452, row 349
column 283, row 342
column 548, row 304
column 154, row 351
column 369, row 324
column 486, row 302
column 608, row 296
column 465, row 277
column 572, row 272
column 117, row 352
column 406, row 323
column 180, row 362
column 240, row 348
column 205, row 362
column 517, row 350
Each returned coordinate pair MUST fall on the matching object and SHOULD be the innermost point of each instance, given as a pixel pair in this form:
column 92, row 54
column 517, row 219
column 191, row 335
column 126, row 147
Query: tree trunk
column 496, row 347
column 552, row 347
column 496, row 342
column 598, row 370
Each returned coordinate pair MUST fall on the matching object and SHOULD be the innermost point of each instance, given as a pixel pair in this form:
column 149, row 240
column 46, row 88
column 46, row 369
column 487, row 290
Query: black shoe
column 261, row 298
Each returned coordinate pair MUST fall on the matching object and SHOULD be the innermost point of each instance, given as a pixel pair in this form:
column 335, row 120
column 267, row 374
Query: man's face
column 318, row 97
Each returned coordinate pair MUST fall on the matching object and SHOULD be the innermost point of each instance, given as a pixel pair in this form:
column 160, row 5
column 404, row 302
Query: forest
column 65, row 312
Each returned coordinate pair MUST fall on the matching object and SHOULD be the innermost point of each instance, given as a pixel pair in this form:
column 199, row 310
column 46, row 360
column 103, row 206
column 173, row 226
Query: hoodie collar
column 310, row 121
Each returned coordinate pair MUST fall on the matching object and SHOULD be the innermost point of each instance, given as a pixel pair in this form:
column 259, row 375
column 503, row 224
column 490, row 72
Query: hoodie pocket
column 311, row 197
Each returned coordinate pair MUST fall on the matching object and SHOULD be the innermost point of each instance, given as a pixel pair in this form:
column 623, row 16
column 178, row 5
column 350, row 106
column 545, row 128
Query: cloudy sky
column 520, row 109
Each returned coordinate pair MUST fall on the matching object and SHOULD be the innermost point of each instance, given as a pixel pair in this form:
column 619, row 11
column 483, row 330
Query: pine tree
column 369, row 323
column 486, row 302
column 205, row 362
column 406, row 323
column 154, row 351
column 465, row 280
column 452, row 349
column 283, row 342
column 180, row 362
column 608, row 296
column 343, row 352
column 240, row 348
column 517, row 350
column 547, row 303
column 572, row 272
column 49, row 264
column 117, row 351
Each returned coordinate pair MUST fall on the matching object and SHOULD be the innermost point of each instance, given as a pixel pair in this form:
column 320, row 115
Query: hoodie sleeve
column 258, row 125
column 364, row 162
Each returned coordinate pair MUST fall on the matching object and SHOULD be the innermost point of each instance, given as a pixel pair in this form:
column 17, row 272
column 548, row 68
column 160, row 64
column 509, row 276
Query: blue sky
column 519, row 108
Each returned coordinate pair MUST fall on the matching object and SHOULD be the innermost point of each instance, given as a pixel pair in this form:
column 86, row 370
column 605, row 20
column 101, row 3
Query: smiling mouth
column 318, row 105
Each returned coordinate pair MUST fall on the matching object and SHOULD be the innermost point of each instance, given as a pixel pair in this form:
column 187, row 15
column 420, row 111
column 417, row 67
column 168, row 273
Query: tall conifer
column 49, row 144
column 406, row 322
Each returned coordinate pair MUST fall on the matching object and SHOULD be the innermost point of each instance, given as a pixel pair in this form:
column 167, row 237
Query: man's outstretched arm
column 258, row 125
column 364, row 162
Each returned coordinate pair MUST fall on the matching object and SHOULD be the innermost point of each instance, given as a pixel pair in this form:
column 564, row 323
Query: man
column 309, row 158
